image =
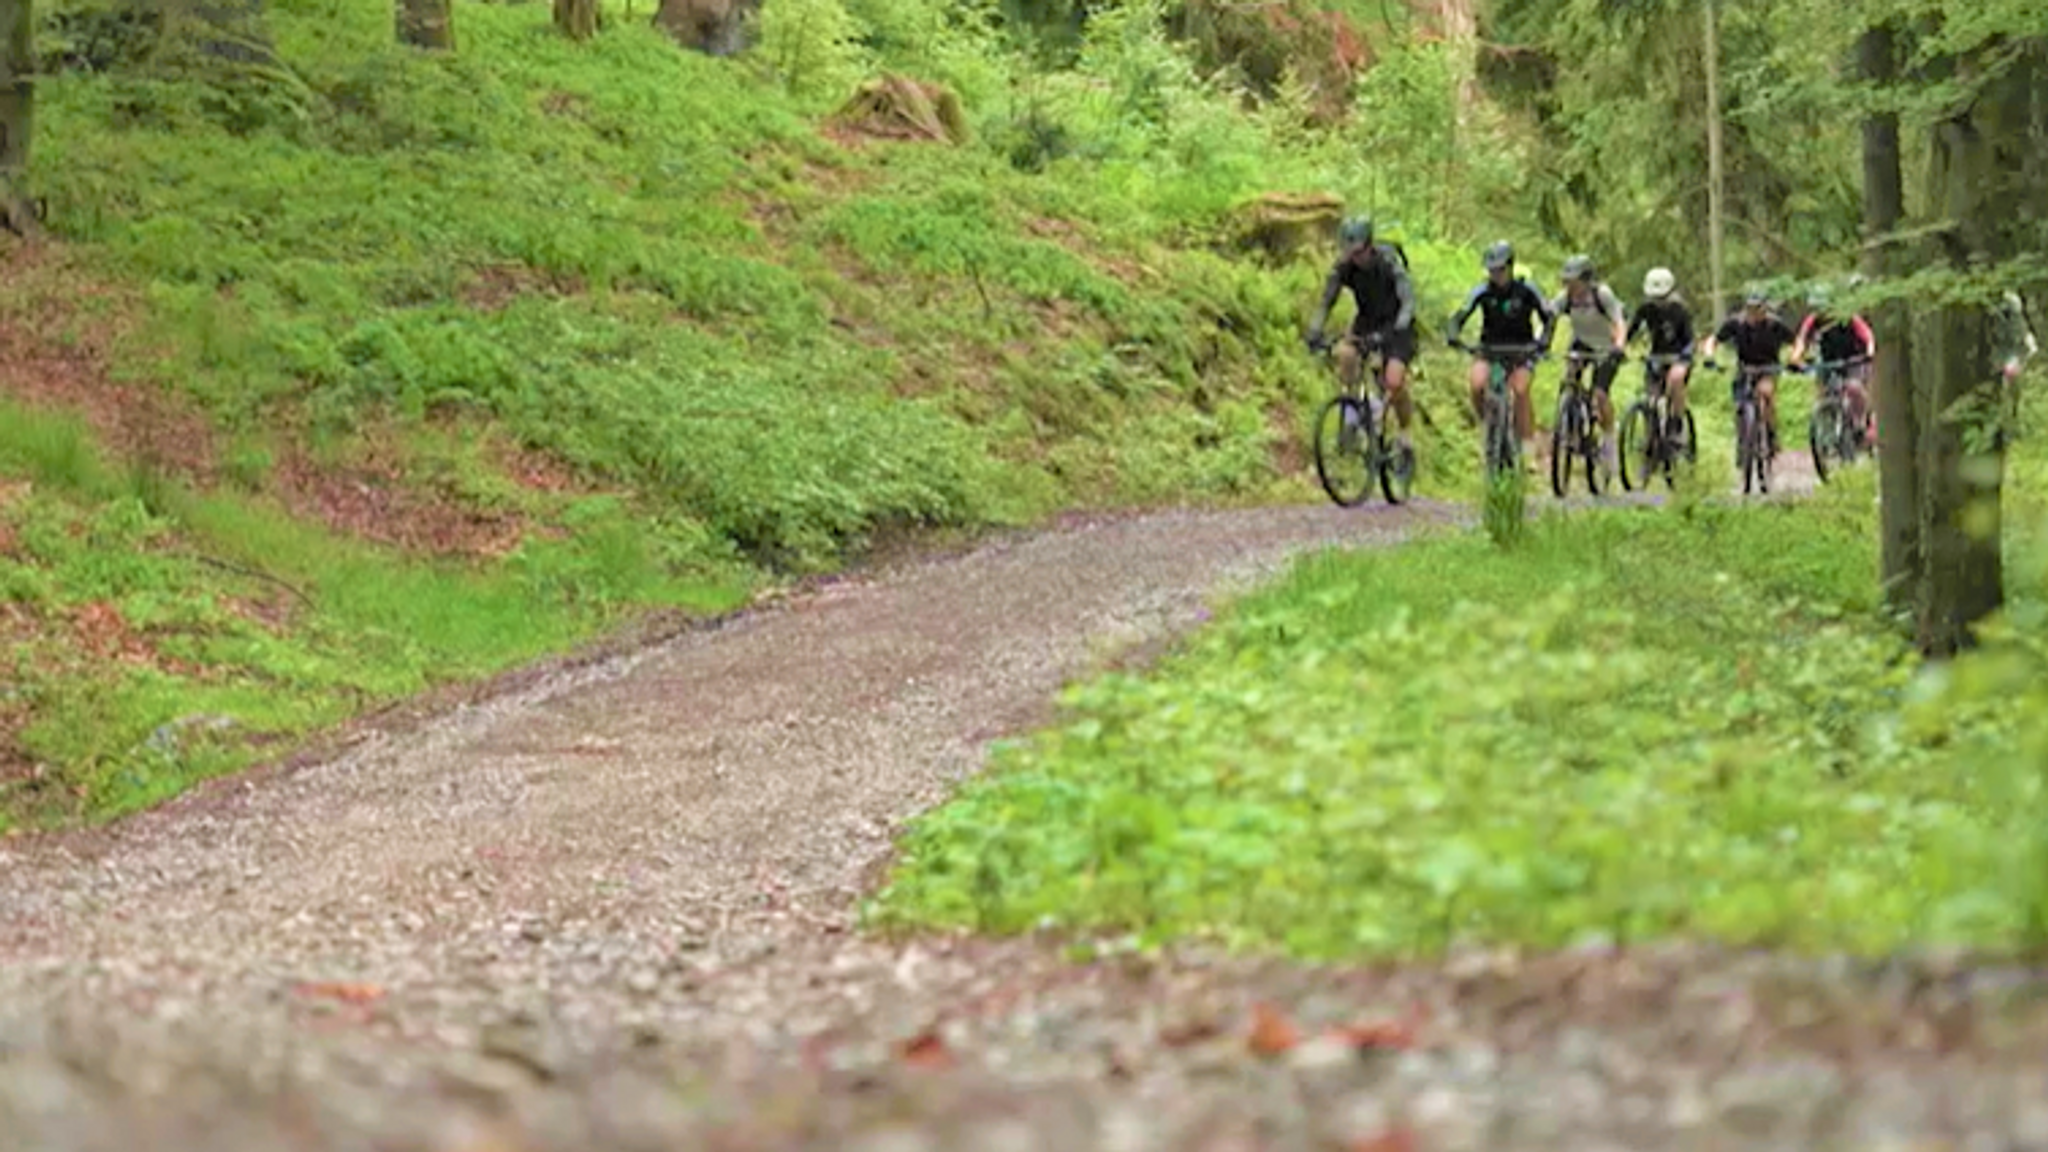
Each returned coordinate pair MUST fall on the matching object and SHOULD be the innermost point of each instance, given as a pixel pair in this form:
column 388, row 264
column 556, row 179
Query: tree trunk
column 716, row 27
column 17, row 114
column 1884, row 206
column 1710, row 45
column 578, row 19
column 1961, row 465
column 427, row 24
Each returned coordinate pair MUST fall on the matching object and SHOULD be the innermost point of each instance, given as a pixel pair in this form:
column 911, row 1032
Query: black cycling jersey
column 1756, row 342
column 1380, row 287
column 1507, row 313
column 1669, row 322
column 1837, row 339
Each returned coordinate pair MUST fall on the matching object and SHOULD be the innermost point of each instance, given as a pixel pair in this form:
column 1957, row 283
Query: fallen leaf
column 1192, row 1032
column 1383, row 1034
column 1272, row 1033
column 927, row 1050
column 345, row 992
column 1398, row 1139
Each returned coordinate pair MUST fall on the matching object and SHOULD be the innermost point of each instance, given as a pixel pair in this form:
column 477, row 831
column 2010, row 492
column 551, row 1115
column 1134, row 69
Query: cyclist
column 2013, row 336
column 1759, row 336
column 1508, row 306
column 1385, row 296
column 1840, row 338
column 1669, row 321
column 1599, row 325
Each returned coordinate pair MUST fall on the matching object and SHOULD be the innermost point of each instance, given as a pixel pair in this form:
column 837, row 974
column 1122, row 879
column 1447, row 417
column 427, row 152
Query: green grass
column 156, row 636
column 1637, row 723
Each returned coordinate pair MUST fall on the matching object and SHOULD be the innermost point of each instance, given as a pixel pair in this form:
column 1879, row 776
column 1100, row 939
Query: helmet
column 1754, row 296
column 1856, row 280
column 1500, row 254
column 1579, row 268
column 1659, row 283
column 1817, row 297
column 1356, row 230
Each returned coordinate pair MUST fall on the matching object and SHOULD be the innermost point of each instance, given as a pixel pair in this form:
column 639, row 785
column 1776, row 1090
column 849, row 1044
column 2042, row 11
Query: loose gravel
column 614, row 911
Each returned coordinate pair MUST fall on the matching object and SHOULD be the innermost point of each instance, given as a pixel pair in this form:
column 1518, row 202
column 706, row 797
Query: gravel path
column 613, row 911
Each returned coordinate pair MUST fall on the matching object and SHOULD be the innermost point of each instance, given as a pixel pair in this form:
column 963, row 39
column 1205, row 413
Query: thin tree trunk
column 1961, row 464
column 1711, row 47
column 428, row 24
column 1884, row 204
column 578, row 19
column 17, row 113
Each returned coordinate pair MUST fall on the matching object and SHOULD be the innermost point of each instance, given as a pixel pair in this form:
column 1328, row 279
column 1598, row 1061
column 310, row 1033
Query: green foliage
column 812, row 48
column 1636, row 724
column 154, row 643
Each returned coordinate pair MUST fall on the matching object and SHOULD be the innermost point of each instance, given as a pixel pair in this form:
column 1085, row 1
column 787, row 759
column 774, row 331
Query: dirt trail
column 613, row 912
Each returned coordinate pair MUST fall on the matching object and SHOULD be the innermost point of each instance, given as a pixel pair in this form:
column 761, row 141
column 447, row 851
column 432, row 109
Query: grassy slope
column 1641, row 722
column 479, row 353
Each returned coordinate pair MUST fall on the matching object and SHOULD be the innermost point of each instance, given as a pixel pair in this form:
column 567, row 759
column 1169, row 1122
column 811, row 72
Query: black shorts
column 1604, row 369
column 1395, row 343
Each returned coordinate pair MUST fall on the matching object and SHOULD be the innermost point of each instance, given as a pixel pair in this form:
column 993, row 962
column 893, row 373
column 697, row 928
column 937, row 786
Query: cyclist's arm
column 1635, row 325
column 1800, row 338
column 1463, row 314
column 1548, row 313
column 1712, row 344
column 1864, row 336
column 1332, row 288
column 1404, row 291
column 1617, row 314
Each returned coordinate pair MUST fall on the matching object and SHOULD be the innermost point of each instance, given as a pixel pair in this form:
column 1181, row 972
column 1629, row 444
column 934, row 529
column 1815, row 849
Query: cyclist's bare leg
column 1674, row 387
column 1397, row 392
column 1525, row 413
column 1767, row 403
column 1479, row 375
column 1350, row 362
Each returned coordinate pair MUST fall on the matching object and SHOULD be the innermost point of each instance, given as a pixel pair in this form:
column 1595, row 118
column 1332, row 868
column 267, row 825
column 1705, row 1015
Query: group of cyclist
column 1511, row 310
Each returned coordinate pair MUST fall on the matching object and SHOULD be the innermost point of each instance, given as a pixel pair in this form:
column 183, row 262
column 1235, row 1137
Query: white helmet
column 1659, row 283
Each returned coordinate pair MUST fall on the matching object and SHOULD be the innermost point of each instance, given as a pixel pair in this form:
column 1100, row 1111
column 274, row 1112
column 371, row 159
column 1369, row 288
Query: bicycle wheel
column 1639, row 447
column 1825, row 436
column 1397, row 470
column 1566, row 436
column 1501, row 452
column 1745, row 446
column 1343, row 445
column 1759, row 454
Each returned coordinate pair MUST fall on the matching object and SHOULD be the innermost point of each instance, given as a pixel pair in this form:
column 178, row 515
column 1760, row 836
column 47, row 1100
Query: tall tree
column 1961, row 464
column 578, row 19
column 17, row 109
column 428, row 24
column 1710, row 46
column 1884, row 208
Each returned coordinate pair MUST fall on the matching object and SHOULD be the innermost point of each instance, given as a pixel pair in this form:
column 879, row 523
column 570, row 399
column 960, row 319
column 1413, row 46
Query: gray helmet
column 1579, row 268
column 1817, row 297
column 1755, row 296
column 1356, row 230
column 1500, row 254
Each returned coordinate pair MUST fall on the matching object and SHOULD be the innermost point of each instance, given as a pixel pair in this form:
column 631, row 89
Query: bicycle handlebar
column 1502, row 351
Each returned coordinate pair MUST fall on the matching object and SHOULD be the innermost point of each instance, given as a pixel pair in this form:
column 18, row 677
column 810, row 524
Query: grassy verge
column 156, row 636
column 1638, row 723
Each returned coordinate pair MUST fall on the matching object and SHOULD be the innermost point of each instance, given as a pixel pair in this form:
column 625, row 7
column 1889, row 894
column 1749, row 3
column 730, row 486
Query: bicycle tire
column 1329, row 446
column 1636, row 437
column 1397, row 470
column 1745, row 445
column 1823, row 430
column 1565, row 436
column 1500, row 437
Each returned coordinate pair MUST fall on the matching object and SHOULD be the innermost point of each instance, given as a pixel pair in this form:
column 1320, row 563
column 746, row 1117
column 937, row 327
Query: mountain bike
column 1577, row 432
column 1503, row 449
column 1351, row 428
column 1830, row 433
column 1652, row 441
column 1753, row 451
